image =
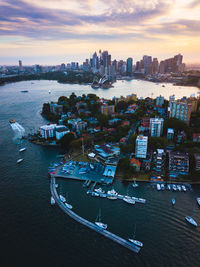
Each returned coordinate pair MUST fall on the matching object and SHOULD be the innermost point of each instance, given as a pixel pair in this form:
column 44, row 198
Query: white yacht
column 19, row 160
column 198, row 200
column 158, row 187
column 63, row 199
column 99, row 223
column 173, row 201
column 52, row 201
column 191, row 221
column 112, row 194
column 22, row 149
column 135, row 242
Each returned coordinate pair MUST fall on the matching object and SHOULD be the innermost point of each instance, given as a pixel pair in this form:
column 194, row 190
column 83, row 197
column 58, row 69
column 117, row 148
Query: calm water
column 33, row 232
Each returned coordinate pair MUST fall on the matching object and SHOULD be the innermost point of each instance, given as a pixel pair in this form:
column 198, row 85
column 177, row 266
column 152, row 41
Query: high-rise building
column 181, row 111
column 154, row 66
column 156, row 127
column 141, row 146
column 147, row 63
column 129, row 66
column 20, row 66
column 160, row 100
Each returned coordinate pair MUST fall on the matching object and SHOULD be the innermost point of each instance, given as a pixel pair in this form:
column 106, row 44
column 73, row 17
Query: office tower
column 141, row 146
column 181, row 111
column 147, row 62
column 129, row 66
column 156, row 127
column 154, row 66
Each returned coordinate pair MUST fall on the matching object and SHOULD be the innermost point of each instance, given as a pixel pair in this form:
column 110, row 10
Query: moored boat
column 52, row 201
column 158, row 187
column 68, row 205
column 198, row 200
column 191, row 221
column 135, row 242
column 22, row 149
column 129, row 200
column 63, row 199
column 184, row 188
column 19, row 160
column 179, row 187
column 174, row 187
column 99, row 223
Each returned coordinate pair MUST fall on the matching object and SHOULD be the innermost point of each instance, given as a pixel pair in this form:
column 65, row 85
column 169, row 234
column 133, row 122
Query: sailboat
column 135, row 242
column 67, row 204
column 135, row 184
column 52, row 201
column 98, row 221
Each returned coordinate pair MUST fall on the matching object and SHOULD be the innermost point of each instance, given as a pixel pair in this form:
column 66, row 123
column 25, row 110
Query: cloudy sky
column 56, row 31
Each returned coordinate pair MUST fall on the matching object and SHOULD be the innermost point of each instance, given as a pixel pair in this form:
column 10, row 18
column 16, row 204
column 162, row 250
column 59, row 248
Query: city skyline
column 52, row 32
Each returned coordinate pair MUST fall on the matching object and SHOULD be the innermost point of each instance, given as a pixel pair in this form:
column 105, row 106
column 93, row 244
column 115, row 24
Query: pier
column 89, row 224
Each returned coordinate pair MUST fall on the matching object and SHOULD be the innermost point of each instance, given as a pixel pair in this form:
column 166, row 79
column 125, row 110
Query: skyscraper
column 147, row 62
column 129, row 66
column 20, row 66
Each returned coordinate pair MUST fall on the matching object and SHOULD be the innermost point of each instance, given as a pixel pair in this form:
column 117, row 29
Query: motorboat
column 184, row 188
column 52, row 201
column 56, row 185
column 135, row 242
column 22, row 149
column 174, row 187
column 162, row 186
column 173, row 201
column 99, row 190
column 191, row 221
column 63, row 199
column 19, row 160
column 129, row 200
column 94, row 194
column 169, row 187
column 99, row 223
column 49, row 92
column 68, row 205
column 198, row 200
column 135, row 184
column 24, row 91
column 158, row 187
column 179, row 187
column 111, row 197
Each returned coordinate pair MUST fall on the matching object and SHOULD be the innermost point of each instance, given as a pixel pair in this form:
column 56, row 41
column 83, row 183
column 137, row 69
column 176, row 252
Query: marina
column 90, row 225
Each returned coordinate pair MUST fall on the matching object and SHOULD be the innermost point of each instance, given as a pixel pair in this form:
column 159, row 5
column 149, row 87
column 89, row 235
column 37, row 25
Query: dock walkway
column 88, row 224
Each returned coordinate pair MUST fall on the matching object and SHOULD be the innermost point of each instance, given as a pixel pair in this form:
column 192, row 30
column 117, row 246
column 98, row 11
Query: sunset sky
column 61, row 31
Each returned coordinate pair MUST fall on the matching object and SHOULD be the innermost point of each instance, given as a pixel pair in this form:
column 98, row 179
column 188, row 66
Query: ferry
column 198, row 200
column 52, row 201
column 11, row 121
column 99, row 223
column 19, row 160
column 173, row 201
column 191, row 221
column 22, row 149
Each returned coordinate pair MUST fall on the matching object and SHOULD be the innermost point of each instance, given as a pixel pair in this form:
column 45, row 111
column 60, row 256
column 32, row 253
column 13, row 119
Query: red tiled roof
column 135, row 161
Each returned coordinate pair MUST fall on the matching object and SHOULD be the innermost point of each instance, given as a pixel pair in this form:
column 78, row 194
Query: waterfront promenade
column 88, row 224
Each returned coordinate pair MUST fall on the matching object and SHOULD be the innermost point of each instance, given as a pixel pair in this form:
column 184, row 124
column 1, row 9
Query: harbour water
column 34, row 232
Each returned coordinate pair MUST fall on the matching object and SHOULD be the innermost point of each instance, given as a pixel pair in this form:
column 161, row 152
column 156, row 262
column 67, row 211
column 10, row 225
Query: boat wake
column 18, row 130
